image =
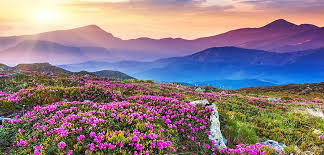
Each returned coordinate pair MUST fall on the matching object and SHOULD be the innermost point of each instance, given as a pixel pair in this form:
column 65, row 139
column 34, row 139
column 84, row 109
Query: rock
column 273, row 99
column 2, row 119
column 203, row 102
column 216, row 133
column 315, row 113
column 274, row 144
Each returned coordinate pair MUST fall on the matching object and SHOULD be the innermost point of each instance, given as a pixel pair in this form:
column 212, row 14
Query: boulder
column 274, row 144
column 216, row 133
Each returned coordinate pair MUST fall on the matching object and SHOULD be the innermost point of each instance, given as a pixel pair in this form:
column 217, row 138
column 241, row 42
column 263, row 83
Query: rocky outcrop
column 274, row 144
column 216, row 134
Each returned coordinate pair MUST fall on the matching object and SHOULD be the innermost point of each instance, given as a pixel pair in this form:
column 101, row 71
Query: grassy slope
column 246, row 118
column 308, row 91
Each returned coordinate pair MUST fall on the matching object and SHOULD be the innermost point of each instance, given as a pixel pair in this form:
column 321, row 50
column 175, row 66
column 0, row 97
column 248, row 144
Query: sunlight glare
column 45, row 15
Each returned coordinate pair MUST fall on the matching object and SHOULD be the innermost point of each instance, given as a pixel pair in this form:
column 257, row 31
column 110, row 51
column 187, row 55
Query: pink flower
column 152, row 136
column 202, row 127
column 21, row 131
column 92, row 146
column 70, row 152
column 321, row 137
column 152, row 145
column 61, row 145
column 92, row 134
column 22, row 143
column 80, row 138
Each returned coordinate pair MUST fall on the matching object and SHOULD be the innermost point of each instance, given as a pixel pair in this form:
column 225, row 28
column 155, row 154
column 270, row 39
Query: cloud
column 306, row 6
column 155, row 7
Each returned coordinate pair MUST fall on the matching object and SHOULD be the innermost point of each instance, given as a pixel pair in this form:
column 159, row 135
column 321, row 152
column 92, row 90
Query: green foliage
column 238, row 132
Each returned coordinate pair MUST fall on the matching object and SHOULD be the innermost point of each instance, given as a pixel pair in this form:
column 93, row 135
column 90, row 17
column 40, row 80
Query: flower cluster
column 87, row 115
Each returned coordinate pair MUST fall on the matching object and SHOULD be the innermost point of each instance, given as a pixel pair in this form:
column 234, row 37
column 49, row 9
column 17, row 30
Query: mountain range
column 281, row 51
column 91, row 43
column 223, row 63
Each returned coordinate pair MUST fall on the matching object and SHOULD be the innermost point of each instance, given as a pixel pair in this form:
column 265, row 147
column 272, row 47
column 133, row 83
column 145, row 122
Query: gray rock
column 274, row 144
column 216, row 133
column 2, row 119
column 273, row 99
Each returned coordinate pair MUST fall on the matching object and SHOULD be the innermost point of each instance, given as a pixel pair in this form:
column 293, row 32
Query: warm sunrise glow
column 153, row 18
column 45, row 16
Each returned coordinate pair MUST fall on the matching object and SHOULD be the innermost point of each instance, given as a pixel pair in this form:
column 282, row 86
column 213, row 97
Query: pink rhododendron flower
column 61, row 145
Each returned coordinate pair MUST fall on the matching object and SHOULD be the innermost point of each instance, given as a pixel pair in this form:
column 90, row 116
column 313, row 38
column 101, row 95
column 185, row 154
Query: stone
column 216, row 134
column 274, row 99
column 274, row 144
column 2, row 119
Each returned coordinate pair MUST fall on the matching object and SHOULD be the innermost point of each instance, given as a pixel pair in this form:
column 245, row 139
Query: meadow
column 56, row 113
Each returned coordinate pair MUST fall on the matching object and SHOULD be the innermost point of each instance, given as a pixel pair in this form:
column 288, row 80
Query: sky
column 129, row 19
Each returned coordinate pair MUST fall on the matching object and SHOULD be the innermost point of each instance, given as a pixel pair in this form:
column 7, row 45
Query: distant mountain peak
column 308, row 26
column 93, row 28
column 279, row 23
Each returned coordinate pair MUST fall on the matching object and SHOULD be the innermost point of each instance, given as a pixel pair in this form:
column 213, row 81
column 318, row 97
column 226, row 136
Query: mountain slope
column 129, row 67
column 30, row 51
column 90, row 35
column 237, row 63
column 112, row 74
column 287, row 92
column 46, row 67
column 42, row 67
column 221, row 63
column 266, row 37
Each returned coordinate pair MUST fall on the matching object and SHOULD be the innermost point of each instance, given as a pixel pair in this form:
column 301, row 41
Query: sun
column 45, row 15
